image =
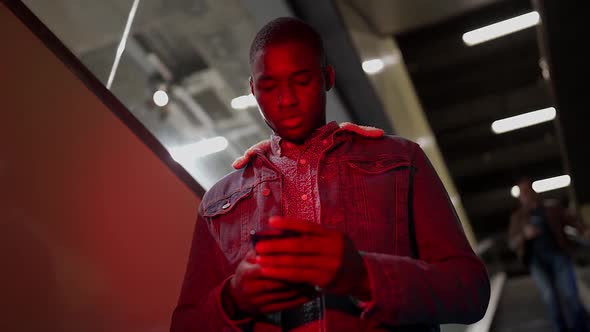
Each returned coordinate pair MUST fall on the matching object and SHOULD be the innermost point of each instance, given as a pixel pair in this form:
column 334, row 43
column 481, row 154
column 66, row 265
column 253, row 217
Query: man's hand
column 531, row 232
column 249, row 293
column 320, row 257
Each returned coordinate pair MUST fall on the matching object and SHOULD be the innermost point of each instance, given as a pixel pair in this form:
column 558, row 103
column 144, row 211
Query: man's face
column 290, row 86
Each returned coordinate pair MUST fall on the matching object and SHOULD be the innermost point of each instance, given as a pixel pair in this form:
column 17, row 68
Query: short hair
column 284, row 29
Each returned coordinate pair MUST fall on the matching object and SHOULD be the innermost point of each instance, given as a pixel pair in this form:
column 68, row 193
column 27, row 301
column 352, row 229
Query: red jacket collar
column 264, row 146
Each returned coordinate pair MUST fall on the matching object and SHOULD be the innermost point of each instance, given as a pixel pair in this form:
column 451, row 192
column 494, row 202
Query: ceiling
column 388, row 17
column 464, row 89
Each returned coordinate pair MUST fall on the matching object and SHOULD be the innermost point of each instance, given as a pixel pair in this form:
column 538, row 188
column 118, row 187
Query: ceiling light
column 544, row 185
column 187, row 153
column 161, row 98
column 243, row 102
column 552, row 183
column 544, row 68
column 373, row 66
column 501, row 28
column 523, row 120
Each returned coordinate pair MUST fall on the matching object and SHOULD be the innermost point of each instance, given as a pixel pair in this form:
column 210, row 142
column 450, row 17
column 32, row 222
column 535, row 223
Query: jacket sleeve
column 199, row 306
column 448, row 283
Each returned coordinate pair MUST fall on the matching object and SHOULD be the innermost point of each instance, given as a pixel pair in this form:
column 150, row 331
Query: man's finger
column 295, row 224
column 308, row 276
column 301, row 245
column 267, row 285
column 250, row 256
column 298, row 262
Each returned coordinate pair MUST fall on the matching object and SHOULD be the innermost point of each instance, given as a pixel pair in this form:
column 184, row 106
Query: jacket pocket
column 227, row 204
column 375, row 199
column 228, row 219
column 378, row 166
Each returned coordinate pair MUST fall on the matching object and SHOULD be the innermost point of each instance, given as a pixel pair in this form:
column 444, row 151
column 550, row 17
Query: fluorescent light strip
column 544, row 185
column 188, row 153
column 523, row 120
column 500, row 29
column 122, row 44
column 552, row 183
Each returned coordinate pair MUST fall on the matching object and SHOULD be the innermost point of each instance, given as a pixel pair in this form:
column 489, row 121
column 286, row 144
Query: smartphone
column 272, row 233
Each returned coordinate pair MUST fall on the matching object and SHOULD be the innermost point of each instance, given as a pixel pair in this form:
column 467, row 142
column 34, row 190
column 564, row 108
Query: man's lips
column 292, row 121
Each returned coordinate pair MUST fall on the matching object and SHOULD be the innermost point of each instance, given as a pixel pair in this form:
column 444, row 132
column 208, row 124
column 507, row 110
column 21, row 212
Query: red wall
column 94, row 228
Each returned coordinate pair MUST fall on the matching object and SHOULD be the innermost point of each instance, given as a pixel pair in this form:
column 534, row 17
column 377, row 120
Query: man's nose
column 287, row 97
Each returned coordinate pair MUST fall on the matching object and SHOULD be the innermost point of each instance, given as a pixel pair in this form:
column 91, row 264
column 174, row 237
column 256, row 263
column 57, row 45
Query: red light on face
column 289, row 83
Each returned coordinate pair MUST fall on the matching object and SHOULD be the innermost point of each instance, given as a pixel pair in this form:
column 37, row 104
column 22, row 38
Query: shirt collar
column 278, row 144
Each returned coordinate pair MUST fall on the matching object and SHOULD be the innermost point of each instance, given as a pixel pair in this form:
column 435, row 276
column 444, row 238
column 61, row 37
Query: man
column 365, row 206
column 537, row 235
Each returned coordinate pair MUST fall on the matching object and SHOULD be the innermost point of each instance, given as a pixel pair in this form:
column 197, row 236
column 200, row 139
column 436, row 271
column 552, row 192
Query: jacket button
column 265, row 192
column 226, row 205
column 304, row 197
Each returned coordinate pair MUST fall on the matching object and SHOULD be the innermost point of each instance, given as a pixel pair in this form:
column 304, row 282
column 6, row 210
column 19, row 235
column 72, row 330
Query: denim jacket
column 384, row 194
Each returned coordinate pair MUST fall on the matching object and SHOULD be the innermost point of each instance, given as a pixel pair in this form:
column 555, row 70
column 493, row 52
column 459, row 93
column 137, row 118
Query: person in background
column 363, row 234
column 537, row 235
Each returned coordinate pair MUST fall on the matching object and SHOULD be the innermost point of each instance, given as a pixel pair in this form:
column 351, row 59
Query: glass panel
column 195, row 53
column 85, row 27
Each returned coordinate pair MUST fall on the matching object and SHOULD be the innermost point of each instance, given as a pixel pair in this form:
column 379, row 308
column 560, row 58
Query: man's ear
column 330, row 76
column 251, row 85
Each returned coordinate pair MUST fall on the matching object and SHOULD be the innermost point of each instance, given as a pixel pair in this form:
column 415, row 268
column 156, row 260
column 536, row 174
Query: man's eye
column 267, row 86
column 302, row 80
